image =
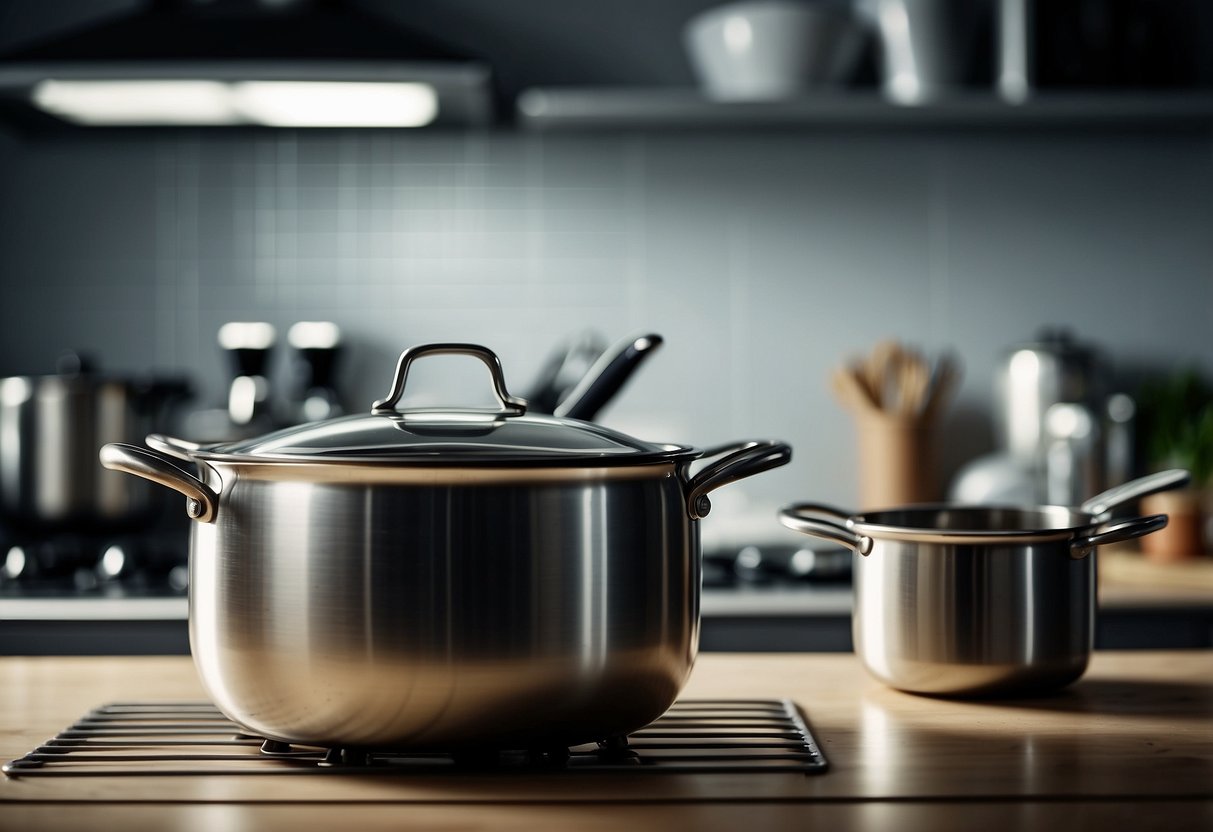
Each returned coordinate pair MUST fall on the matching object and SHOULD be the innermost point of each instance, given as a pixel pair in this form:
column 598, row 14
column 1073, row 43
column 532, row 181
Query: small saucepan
column 958, row 600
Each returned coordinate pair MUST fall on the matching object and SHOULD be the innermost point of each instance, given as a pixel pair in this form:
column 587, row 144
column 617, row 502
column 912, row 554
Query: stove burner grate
column 190, row 738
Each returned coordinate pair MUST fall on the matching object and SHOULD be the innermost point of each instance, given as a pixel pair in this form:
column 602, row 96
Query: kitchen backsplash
column 763, row 258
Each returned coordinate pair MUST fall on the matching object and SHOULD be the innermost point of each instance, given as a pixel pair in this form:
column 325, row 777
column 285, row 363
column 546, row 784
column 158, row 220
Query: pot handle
column 1117, row 532
column 738, row 460
column 510, row 405
column 798, row 517
column 1105, row 501
column 201, row 501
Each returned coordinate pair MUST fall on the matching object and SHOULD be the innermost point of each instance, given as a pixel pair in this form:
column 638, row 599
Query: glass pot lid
column 456, row 436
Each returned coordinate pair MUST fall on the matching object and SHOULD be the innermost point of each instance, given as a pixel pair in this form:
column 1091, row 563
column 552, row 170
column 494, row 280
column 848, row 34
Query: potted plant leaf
column 1177, row 423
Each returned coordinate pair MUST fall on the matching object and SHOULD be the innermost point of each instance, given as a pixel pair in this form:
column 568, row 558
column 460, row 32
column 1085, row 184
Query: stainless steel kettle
column 1057, row 422
column 1036, row 375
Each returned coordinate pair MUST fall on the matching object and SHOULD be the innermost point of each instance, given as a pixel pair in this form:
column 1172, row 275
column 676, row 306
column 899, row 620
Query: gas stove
column 75, row 593
column 776, row 565
column 97, row 567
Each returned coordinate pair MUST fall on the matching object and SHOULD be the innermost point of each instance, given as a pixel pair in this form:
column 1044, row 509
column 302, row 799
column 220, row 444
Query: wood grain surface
column 1132, row 740
column 1126, row 572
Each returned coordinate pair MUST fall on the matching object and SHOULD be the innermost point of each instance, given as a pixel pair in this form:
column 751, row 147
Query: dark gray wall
column 764, row 259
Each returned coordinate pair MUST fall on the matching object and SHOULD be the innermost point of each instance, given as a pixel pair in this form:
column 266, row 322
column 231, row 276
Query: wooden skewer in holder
column 896, row 399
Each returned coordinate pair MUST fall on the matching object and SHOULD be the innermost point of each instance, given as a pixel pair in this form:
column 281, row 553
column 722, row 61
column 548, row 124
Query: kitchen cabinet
column 1127, row 746
column 1126, row 628
column 1130, row 617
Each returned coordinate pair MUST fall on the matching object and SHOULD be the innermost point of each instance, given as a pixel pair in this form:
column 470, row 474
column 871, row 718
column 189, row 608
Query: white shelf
column 604, row 108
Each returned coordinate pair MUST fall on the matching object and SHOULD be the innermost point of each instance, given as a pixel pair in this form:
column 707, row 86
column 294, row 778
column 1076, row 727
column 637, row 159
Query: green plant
column 1177, row 420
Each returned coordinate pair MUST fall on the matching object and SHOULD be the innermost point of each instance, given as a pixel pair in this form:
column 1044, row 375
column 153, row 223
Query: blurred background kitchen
column 775, row 188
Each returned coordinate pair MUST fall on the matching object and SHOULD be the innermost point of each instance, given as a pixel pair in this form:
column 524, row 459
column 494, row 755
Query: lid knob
column 510, row 405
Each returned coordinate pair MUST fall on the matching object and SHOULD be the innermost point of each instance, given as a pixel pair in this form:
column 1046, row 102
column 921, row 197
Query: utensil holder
column 896, row 460
column 1183, row 539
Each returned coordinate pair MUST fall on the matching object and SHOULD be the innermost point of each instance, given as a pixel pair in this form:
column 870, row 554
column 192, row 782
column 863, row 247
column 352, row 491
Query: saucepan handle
column 737, row 461
column 806, row 518
column 1104, row 502
column 1117, row 532
column 201, row 501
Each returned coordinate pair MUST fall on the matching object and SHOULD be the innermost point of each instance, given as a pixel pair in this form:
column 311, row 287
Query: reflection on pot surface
column 569, row 607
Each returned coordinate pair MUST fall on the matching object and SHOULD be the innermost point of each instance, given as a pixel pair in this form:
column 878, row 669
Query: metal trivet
column 188, row 738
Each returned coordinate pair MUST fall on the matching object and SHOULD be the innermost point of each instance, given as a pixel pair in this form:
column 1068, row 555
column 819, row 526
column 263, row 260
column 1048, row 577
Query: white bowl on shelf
column 771, row 49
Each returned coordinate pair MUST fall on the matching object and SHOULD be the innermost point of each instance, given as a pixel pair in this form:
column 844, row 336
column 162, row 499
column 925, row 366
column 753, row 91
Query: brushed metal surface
column 427, row 615
column 973, row 619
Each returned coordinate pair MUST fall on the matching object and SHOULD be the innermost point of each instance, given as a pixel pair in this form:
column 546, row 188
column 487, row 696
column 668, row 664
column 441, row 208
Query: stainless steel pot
column 442, row 578
column 977, row 600
column 51, row 428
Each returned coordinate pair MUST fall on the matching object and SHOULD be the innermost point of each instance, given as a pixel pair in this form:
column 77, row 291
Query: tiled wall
column 764, row 259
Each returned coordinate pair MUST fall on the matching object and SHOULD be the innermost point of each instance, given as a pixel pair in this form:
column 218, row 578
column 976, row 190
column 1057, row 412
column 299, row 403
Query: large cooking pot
column 51, row 428
column 420, row 578
column 977, row 600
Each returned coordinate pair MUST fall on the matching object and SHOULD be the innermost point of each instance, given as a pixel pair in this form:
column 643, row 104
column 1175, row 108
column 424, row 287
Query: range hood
column 270, row 63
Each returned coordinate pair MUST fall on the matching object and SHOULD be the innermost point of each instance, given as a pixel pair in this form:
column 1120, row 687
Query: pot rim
column 860, row 524
column 446, row 461
column 378, row 473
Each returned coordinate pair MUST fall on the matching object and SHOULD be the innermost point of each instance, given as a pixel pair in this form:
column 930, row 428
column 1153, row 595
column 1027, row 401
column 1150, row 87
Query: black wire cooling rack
column 189, row 738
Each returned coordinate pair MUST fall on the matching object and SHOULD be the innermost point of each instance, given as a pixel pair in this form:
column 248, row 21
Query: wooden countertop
column 1131, row 744
column 1127, row 579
